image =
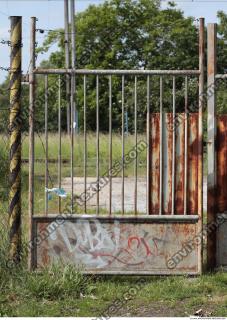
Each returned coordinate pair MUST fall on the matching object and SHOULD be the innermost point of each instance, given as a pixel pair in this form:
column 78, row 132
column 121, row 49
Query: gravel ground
column 117, row 192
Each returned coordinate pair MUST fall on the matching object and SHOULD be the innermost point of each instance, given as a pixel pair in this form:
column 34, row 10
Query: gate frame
column 32, row 76
column 211, row 141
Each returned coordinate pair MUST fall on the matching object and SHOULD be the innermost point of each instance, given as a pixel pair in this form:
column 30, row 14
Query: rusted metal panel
column 192, row 164
column 155, row 164
column 168, row 160
column 180, row 163
column 118, row 245
column 221, row 163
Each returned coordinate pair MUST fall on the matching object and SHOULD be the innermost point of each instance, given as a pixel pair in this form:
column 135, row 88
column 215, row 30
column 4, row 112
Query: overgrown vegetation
column 65, row 292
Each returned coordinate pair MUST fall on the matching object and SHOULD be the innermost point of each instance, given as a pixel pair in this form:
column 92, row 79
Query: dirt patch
column 167, row 309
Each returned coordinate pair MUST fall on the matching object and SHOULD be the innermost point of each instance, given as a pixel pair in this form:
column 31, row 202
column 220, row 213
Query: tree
column 126, row 34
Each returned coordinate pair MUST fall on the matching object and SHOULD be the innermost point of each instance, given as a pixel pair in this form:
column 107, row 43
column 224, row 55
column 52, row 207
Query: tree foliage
column 126, row 34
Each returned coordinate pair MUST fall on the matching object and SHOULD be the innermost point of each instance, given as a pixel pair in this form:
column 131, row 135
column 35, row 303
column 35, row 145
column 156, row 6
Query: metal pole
column 59, row 142
column 73, row 43
column 148, row 143
column 174, row 147
column 46, row 144
column 67, row 61
column 31, row 134
column 123, row 145
column 85, row 144
column 110, row 144
column 211, row 149
column 161, row 149
column 200, row 147
column 136, row 139
column 97, row 144
column 15, row 140
column 73, row 61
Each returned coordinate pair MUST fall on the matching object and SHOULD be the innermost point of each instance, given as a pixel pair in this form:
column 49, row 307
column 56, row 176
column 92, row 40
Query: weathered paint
column 180, row 163
column 192, row 163
column 221, row 163
column 167, row 164
column 155, row 163
column 192, row 201
column 168, row 145
column 98, row 245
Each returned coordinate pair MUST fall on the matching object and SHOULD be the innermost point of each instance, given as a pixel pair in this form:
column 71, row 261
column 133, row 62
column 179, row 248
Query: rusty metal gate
column 163, row 237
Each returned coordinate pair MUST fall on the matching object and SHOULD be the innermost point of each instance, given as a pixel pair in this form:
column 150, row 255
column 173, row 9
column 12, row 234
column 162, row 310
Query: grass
column 79, row 152
column 78, row 162
column 64, row 291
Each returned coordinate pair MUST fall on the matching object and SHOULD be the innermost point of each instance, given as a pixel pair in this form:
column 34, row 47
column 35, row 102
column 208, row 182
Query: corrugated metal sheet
column 155, row 163
column 221, row 163
column 180, row 151
column 192, row 201
column 192, row 169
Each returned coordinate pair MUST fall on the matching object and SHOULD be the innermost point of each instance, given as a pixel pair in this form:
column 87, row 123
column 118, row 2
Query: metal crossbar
column 118, row 72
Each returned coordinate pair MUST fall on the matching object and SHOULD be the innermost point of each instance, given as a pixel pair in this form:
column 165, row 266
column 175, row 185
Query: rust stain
column 105, row 246
column 221, row 163
column 192, row 169
column 155, row 163
column 192, row 200
column 180, row 163
column 169, row 127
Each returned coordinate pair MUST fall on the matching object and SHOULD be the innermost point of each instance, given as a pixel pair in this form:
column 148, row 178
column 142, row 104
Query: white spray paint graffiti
column 91, row 237
column 114, row 246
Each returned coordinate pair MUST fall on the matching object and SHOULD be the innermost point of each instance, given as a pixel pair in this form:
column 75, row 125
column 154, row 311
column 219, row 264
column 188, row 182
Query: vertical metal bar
column 46, row 143
column 67, row 61
column 97, row 142
column 32, row 79
column 200, row 129
column 136, row 138
column 15, row 140
column 110, row 144
column 211, row 147
column 174, row 146
column 161, row 148
column 85, row 145
column 73, row 107
column 73, row 33
column 123, row 143
column 59, row 142
column 186, row 146
column 73, row 43
column 72, row 144
column 149, row 172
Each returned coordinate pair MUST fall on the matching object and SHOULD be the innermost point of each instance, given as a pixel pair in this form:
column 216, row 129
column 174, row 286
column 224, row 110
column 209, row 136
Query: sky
column 50, row 14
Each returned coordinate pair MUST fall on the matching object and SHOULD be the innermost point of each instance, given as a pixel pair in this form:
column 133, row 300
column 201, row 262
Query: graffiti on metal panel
column 117, row 245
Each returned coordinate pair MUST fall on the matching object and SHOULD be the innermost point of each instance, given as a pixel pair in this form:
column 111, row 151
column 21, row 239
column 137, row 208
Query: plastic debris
column 58, row 191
